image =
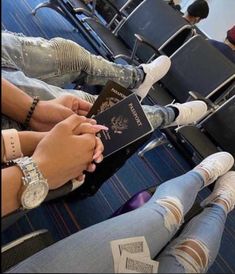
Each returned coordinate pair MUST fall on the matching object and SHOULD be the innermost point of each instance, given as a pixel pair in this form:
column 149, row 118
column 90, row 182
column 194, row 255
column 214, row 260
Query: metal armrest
column 118, row 12
column 138, row 41
column 24, row 247
column 142, row 40
column 86, row 12
column 83, row 11
column 153, row 144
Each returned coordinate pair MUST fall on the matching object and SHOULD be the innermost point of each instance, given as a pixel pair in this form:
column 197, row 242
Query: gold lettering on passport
column 135, row 114
column 118, row 93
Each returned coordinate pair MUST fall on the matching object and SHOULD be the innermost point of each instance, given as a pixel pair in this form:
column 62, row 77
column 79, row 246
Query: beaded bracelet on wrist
column 30, row 112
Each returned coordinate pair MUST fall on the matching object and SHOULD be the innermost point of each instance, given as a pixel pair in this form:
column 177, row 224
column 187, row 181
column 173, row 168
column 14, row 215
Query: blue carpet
column 64, row 218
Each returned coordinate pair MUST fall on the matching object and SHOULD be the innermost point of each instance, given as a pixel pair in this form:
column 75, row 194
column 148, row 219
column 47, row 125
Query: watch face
column 34, row 195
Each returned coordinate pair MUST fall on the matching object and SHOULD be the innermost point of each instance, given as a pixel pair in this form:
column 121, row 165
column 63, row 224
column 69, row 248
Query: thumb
column 65, row 112
column 74, row 120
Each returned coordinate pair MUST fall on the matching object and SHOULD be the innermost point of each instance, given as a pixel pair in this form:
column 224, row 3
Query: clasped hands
column 71, row 146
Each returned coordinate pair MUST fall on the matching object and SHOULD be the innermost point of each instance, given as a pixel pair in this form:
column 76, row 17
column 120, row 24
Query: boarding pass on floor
column 131, row 255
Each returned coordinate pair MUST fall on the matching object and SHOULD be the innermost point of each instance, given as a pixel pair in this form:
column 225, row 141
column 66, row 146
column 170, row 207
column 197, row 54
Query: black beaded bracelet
column 30, row 113
column 8, row 164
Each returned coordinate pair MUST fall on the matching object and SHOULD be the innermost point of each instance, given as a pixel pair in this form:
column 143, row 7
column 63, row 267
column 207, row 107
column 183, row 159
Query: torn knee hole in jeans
column 193, row 255
column 173, row 217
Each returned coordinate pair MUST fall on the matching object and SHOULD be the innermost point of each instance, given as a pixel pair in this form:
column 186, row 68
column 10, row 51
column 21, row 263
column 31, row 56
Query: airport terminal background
column 61, row 217
column 221, row 18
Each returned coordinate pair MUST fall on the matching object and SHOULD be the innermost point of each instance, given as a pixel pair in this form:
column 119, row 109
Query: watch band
column 35, row 187
column 12, row 146
column 30, row 170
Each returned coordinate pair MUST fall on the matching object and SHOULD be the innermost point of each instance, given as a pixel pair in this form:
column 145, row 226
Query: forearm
column 11, row 185
column 29, row 141
column 15, row 103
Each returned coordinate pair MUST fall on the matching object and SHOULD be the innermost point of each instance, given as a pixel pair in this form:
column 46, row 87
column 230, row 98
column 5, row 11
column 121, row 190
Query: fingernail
column 96, row 155
column 93, row 167
column 100, row 127
column 92, row 121
column 99, row 160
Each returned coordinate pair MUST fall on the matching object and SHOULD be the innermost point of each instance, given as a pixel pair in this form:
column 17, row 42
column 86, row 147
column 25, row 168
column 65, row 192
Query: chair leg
column 153, row 144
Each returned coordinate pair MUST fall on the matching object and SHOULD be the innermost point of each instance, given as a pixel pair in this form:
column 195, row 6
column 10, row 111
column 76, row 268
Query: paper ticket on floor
column 133, row 263
column 136, row 245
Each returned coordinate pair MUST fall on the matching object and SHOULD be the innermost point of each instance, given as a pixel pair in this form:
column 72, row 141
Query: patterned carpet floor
column 65, row 218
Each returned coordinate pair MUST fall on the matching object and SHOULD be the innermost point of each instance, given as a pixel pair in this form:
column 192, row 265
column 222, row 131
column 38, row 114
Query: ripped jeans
column 43, row 67
column 60, row 62
column 194, row 251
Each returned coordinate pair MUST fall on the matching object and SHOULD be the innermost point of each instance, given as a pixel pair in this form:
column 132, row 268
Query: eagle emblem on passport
column 119, row 124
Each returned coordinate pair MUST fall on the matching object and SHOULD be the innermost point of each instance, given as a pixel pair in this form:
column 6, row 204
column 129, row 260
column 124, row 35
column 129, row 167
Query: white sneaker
column 225, row 190
column 189, row 112
column 154, row 72
column 216, row 165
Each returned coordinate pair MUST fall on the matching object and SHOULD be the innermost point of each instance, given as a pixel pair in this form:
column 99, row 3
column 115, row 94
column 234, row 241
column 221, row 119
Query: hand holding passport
column 120, row 110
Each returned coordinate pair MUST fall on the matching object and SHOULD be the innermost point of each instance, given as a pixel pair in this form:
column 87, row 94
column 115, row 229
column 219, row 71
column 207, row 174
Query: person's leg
column 36, row 87
column 158, row 116
column 195, row 250
column 175, row 114
column 89, row 250
column 59, row 61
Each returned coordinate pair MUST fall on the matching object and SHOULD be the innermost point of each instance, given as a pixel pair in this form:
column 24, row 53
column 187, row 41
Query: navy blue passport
column 127, row 123
column 111, row 94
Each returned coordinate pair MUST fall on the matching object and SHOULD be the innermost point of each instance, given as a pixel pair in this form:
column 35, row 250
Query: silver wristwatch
column 35, row 187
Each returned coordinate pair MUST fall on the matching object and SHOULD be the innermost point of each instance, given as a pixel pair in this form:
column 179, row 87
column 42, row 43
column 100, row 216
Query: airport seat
column 77, row 6
column 74, row 12
column 215, row 132
column 198, row 71
column 24, row 247
column 198, row 66
column 161, row 24
column 114, row 11
column 220, row 126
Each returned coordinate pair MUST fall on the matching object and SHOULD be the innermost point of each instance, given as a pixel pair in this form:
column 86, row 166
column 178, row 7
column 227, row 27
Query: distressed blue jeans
column 43, row 67
column 89, row 251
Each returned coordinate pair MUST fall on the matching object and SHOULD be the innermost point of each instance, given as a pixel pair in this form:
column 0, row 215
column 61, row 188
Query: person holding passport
column 41, row 161
column 62, row 144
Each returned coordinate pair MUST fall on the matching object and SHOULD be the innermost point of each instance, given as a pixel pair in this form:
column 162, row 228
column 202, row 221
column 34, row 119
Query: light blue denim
column 59, row 61
column 36, row 68
column 88, row 251
column 43, row 67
